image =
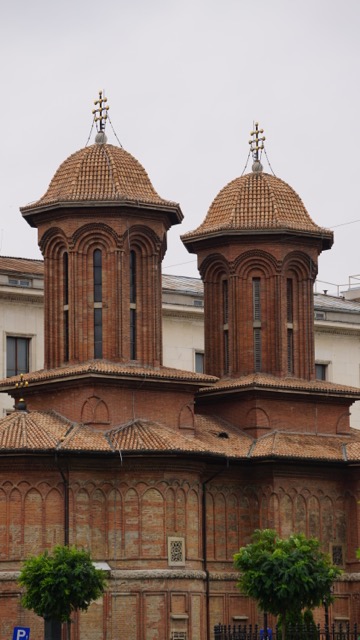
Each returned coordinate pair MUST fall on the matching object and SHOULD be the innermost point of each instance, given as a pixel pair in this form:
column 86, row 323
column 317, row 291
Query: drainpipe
column 66, row 501
column 204, row 539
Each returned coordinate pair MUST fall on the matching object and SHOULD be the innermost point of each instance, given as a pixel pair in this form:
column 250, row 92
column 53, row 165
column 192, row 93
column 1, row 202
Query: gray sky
column 185, row 80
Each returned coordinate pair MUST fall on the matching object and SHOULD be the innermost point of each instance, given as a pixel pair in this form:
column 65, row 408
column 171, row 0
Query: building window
column 97, row 276
column 17, row 282
column 176, row 551
column 66, row 305
column 199, row 361
column 321, row 371
column 337, row 555
column 225, row 301
column 133, row 338
column 17, row 355
column 257, row 323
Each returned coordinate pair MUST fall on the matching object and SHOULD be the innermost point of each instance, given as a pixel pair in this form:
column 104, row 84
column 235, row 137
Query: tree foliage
column 59, row 583
column 285, row 576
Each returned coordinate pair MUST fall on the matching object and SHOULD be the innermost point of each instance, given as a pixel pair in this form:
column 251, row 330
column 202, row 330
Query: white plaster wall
column 342, row 352
column 23, row 319
column 181, row 338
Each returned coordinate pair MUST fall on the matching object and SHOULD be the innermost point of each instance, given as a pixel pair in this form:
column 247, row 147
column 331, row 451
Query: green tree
column 59, row 583
column 285, row 576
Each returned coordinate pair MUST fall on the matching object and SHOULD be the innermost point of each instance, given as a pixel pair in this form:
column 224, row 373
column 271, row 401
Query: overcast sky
column 185, row 80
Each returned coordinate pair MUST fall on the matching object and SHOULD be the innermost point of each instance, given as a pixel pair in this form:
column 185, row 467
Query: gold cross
column 257, row 143
column 101, row 110
column 23, row 383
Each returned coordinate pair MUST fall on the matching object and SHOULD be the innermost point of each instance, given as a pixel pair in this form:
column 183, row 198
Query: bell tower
column 257, row 254
column 102, row 231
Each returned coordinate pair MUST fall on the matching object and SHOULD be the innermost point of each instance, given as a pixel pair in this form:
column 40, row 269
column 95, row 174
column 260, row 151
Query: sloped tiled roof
column 47, row 431
column 267, row 381
column 22, row 266
column 257, row 202
column 105, row 368
column 100, row 172
column 304, row 446
column 38, row 430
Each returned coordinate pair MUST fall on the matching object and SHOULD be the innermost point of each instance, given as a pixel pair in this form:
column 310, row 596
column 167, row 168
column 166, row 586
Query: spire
column 100, row 116
column 256, row 145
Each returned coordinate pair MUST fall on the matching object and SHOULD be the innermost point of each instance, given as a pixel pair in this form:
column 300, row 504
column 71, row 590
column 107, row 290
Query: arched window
column 97, row 277
column 132, row 305
column 225, row 303
column 66, row 304
column 290, row 326
column 257, row 322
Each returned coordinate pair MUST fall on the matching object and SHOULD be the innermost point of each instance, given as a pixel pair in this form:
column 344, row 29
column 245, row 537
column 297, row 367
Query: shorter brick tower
column 257, row 253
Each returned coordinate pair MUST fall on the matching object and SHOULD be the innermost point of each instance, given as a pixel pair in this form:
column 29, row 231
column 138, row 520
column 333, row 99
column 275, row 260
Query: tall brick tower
column 102, row 230
column 257, row 253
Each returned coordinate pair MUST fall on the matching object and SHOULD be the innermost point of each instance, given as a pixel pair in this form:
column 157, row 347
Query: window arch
column 98, row 320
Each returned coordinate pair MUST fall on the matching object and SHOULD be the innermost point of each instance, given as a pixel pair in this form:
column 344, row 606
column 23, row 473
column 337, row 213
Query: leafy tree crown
column 59, row 583
column 285, row 576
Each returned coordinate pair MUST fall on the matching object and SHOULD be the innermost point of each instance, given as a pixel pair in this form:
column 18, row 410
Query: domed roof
column 99, row 173
column 257, row 202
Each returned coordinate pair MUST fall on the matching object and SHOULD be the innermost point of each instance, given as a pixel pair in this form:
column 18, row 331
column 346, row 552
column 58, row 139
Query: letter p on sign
column 21, row 633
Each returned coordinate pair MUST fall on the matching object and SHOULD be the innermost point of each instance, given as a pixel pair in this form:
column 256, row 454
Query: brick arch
column 327, row 520
column 300, row 514
column 214, row 267
column 193, row 525
column 54, row 241
column 82, row 518
column 131, row 524
column 152, row 524
column 343, row 424
column 54, row 518
column 256, row 260
column 114, row 523
column 95, row 411
column 300, row 264
column 98, row 523
column 15, row 529
column 3, row 525
column 33, row 522
column 257, row 417
column 186, row 417
column 141, row 239
column 99, row 234
column 313, row 507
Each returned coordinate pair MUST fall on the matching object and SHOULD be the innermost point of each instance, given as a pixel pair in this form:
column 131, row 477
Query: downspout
column 204, row 540
column 66, row 501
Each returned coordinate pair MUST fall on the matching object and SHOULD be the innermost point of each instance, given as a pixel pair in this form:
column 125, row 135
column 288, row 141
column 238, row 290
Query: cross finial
column 256, row 145
column 21, row 404
column 100, row 116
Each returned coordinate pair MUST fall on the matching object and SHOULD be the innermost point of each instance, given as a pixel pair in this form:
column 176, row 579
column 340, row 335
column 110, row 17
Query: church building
column 164, row 474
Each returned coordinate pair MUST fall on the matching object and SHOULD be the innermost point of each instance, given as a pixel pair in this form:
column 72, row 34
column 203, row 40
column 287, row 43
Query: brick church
column 163, row 474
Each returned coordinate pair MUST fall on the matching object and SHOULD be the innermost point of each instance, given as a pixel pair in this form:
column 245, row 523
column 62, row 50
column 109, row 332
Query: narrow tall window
column 290, row 329
column 132, row 305
column 97, row 275
column 66, row 305
column 257, row 324
column 225, row 305
column 17, row 355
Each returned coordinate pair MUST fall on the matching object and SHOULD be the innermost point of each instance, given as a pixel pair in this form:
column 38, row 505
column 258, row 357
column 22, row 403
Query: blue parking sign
column 21, row 633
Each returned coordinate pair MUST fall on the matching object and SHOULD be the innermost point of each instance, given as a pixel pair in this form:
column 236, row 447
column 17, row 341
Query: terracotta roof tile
column 105, row 368
column 302, row 446
column 47, row 431
column 100, row 172
column 257, row 201
column 21, row 266
column 267, row 381
column 38, row 430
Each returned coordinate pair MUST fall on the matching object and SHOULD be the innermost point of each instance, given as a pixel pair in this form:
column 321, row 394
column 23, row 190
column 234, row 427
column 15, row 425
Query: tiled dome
column 257, row 202
column 100, row 172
